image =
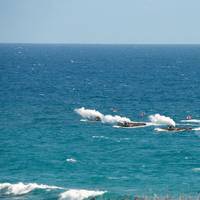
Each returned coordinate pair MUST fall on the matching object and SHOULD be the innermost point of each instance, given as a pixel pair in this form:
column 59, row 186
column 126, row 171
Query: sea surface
column 47, row 152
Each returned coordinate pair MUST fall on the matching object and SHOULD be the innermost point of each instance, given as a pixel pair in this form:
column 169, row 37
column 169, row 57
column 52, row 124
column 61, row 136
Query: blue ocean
column 48, row 151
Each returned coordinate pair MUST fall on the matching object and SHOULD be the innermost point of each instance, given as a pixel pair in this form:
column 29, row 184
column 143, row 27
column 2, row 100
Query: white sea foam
column 71, row 160
column 161, row 120
column 22, row 188
column 83, row 120
column 191, row 120
column 196, row 129
column 159, row 129
column 196, row 169
column 88, row 113
column 75, row 194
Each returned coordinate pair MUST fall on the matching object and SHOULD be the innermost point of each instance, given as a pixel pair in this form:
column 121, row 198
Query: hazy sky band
column 100, row 21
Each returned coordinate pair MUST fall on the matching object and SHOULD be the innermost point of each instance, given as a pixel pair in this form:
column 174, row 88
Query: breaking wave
column 158, row 119
column 71, row 194
column 75, row 194
column 22, row 188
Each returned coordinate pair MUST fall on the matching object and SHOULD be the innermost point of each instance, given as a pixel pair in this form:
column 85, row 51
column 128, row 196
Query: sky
column 100, row 21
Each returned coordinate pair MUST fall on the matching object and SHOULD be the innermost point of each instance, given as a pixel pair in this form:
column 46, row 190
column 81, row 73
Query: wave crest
column 75, row 194
column 21, row 188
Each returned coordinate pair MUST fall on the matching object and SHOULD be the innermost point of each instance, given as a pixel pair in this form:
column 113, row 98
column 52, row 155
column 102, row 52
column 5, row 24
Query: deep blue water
column 41, row 85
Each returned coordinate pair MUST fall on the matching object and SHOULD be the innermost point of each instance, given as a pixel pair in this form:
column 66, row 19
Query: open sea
column 47, row 152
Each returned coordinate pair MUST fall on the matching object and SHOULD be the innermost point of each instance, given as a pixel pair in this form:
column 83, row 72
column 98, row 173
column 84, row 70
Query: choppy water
column 45, row 146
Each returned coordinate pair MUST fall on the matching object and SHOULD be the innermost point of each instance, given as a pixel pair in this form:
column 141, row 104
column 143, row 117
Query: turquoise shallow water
column 41, row 85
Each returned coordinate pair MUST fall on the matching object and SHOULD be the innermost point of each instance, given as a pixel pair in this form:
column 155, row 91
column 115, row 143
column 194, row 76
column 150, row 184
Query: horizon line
column 74, row 43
